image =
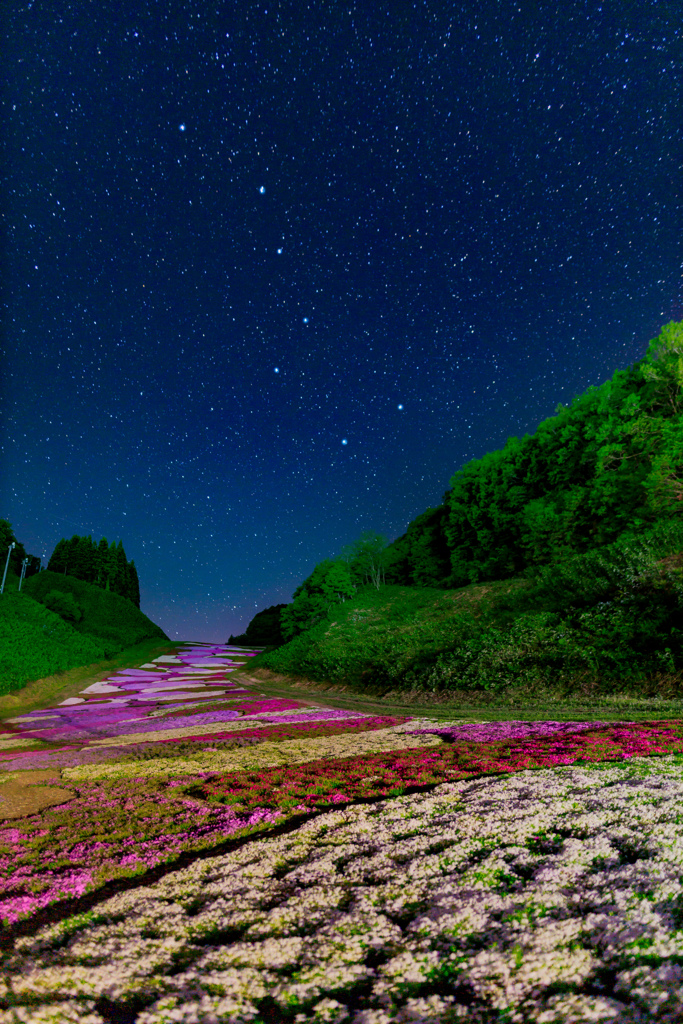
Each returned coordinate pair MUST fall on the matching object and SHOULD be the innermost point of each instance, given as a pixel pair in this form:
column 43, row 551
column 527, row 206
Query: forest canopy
column 606, row 468
column 104, row 565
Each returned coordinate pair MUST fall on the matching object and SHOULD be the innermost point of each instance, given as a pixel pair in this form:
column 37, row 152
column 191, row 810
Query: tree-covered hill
column 52, row 621
column 608, row 465
column 595, row 490
column 605, row 622
column 264, row 629
column 104, row 565
column 112, row 621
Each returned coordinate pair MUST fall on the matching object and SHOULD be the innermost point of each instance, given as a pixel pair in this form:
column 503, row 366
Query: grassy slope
column 35, row 643
column 112, row 621
column 407, row 628
column 51, row 690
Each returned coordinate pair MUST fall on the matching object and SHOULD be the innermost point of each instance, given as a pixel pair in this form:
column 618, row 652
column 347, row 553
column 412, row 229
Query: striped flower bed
column 508, row 871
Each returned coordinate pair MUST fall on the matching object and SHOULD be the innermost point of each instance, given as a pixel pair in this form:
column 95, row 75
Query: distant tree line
column 263, row 630
column 104, row 565
column 608, row 466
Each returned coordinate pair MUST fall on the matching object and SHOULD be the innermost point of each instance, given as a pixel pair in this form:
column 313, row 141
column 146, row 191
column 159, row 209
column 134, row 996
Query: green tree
column 663, row 368
column 103, row 564
column 397, row 562
column 365, row 560
column 429, row 555
column 664, row 484
column 330, row 579
column 119, row 563
column 78, row 557
column 132, row 584
column 263, row 630
column 88, row 563
column 17, row 555
column 330, row 583
column 305, row 611
column 58, row 558
column 6, row 539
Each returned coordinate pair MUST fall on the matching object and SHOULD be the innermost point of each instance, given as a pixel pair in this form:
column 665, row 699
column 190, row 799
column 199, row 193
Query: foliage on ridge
column 112, row 621
column 104, row 565
column 593, row 498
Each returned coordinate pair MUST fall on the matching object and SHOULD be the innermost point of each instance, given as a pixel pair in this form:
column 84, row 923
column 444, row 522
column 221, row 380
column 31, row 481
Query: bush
column 65, row 605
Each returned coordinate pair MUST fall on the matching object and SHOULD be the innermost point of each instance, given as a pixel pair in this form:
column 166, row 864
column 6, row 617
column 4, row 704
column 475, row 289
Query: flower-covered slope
column 547, row 896
column 548, row 891
column 189, row 696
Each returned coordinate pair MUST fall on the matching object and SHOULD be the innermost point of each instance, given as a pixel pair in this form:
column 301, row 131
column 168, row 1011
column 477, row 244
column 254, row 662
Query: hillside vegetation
column 56, row 623
column 114, row 622
column 104, row 565
column 553, row 563
column 604, row 622
column 36, row 642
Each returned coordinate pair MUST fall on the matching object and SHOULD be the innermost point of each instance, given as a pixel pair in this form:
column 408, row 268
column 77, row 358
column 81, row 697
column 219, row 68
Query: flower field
column 204, row 853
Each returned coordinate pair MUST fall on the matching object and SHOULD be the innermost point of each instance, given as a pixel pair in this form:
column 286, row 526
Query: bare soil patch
column 27, row 794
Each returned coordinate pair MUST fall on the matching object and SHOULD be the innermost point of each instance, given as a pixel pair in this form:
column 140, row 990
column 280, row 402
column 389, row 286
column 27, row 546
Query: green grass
column 58, row 686
column 93, row 625
column 462, row 706
column 36, row 642
column 112, row 621
column 597, row 631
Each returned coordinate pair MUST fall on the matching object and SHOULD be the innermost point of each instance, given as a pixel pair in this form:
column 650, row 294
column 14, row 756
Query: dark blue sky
column 274, row 272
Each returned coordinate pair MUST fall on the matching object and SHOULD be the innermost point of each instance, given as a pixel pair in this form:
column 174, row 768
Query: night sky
column 273, row 272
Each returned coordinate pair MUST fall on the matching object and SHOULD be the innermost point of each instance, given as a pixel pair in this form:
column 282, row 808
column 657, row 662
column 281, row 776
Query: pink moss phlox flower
column 415, row 767
column 12, row 835
column 487, row 731
column 131, row 858
column 193, row 824
column 240, row 800
column 15, row 908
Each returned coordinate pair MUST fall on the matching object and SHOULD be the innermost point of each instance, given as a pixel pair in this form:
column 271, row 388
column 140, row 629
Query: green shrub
column 36, row 642
column 64, row 605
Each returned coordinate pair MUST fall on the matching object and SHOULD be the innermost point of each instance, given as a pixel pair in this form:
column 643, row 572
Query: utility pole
column 23, row 572
column 11, row 548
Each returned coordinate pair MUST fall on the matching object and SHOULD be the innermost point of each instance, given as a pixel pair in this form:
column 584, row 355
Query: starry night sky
column 273, row 272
